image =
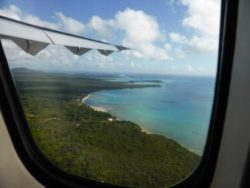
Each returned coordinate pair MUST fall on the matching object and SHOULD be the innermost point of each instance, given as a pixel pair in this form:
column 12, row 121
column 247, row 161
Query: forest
column 85, row 142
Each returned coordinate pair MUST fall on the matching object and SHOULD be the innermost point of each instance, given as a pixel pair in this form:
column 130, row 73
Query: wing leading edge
column 32, row 39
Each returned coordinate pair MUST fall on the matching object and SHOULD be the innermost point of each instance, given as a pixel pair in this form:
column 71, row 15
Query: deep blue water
column 180, row 109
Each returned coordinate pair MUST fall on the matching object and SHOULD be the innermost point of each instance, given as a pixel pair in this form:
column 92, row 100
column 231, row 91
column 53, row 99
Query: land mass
column 94, row 144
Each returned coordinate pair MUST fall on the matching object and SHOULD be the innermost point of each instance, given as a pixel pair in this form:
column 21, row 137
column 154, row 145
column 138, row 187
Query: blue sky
column 166, row 36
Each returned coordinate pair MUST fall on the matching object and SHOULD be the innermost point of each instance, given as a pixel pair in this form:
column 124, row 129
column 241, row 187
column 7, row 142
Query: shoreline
column 85, row 98
column 96, row 108
column 101, row 109
column 144, row 130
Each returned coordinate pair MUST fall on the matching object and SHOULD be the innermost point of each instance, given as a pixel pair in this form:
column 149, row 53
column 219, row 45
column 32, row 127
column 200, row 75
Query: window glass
column 137, row 117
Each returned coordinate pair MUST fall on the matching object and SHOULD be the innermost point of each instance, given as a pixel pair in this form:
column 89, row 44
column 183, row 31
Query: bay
column 179, row 109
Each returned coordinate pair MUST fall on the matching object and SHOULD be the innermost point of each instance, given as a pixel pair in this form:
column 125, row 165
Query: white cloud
column 180, row 53
column 95, row 56
column 177, row 37
column 15, row 13
column 69, row 24
column 204, row 44
column 190, row 68
column 201, row 69
column 173, row 68
column 12, row 12
column 62, row 23
column 203, row 17
column 132, row 64
column 168, row 46
column 139, row 26
column 102, row 27
column 141, row 34
column 37, row 21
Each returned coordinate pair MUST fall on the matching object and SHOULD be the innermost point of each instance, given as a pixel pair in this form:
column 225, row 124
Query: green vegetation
column 85, row 142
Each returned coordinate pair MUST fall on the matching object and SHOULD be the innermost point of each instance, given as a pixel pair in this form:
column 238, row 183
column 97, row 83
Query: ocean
column 179, row 109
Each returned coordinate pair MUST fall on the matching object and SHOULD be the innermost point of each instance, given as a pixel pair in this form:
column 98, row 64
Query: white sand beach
column 99, row 109
column 85, row 98
column 96, row 108
column 145, row 131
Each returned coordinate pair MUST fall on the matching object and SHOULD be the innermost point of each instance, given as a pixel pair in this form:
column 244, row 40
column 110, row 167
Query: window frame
column 51, row 176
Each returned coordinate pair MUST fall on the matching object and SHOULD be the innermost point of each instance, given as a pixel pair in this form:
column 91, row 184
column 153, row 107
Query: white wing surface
column 32, row 39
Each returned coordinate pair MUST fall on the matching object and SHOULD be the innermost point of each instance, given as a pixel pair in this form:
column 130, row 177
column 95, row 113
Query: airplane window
column 129, row 101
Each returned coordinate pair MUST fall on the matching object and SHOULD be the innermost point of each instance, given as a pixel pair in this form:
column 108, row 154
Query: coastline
column 144, row 130
column 96, row 108
column 62, row 124
column 85, row 98
column 101, row 109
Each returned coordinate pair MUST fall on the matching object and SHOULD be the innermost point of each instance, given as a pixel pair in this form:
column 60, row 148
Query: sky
column 165, row 36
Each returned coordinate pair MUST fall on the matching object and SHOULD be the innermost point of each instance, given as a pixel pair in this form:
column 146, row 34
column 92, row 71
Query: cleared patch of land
column 85, row 142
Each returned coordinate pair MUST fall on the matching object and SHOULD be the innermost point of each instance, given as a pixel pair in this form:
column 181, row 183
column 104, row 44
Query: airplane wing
column 32, row 39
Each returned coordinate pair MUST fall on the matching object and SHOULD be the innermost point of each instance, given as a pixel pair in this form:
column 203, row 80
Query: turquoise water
column 180, row 109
